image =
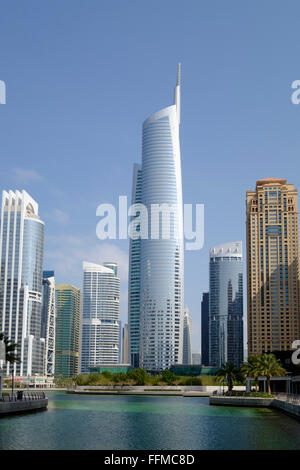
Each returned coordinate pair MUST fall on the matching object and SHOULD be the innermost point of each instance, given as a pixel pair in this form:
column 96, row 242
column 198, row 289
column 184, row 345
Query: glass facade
column 161, row 258
column 100, row 315
column 21, row 251
column 226, row 304
column 67, row 331
column 134, row 277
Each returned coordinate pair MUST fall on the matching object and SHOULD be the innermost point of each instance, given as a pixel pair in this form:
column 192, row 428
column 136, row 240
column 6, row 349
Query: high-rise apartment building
column 226, row 304
column 21, row 255
column 187, row 338
column 100, row 315
column 272, row 266
column 205, row 329
column 49, row 321
column 161, row 253
column 134, row 305
column 67, row 330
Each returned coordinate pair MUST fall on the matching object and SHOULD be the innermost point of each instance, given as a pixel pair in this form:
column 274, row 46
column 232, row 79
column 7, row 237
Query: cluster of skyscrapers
column 62, row 331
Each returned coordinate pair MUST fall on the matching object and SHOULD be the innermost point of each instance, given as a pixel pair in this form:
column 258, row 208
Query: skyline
column 86, row 93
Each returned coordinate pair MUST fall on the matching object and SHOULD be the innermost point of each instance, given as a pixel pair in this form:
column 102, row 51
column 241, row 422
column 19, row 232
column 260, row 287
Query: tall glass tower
column 100, row 315
column 226, row 304
column 67, row 330
column 21, row 275
column 134, row 284
column 161, row 257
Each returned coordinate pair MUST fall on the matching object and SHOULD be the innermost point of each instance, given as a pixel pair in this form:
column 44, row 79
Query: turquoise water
column 139, row 422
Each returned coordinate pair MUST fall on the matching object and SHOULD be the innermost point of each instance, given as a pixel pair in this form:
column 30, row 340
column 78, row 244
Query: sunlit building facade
column 161, row 254
column 49, row 321
column 21, row 255
column 100, row 315
column 272, row 266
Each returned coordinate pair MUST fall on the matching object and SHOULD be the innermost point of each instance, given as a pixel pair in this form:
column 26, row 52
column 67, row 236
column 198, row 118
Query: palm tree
column 230, row 372
column 10, row 355
column 269, row 367
column 251, row 368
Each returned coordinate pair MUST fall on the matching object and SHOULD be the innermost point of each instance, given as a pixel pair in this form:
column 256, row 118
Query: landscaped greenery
column 141, row 377
column 229, row 375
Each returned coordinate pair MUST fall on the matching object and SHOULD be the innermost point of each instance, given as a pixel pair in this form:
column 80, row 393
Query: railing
column 24, row 396
column 289, row 398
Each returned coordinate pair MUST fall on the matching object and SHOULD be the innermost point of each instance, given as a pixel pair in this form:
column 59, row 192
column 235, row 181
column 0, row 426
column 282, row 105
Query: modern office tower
column 272, row 266
column 100, row 315
column 196, row 358
column 134, row 276
column 187, row 338
column 49, row 321
column 226, row 304
column 161, row 254
column 125, row 345
column 67, row 330
column 205, row 329
column 21, row 254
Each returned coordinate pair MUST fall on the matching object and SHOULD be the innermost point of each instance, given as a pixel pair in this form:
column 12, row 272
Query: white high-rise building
column 49, row 321
column 21, row 255
column 100, row 315
column 187, row 338
column 161, row 256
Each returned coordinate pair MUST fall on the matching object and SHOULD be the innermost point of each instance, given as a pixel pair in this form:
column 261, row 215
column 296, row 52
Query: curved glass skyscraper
column 161, row 255
column 226, row 304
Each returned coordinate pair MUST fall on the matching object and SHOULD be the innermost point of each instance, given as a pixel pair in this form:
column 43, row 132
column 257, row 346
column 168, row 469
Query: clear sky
column 81, row 78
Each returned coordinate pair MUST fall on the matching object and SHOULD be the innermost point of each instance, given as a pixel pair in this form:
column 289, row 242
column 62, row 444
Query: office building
column 100, row 315
column 226, row 304
column 161, row 252
column 67, row 330
column 205, row 329
column 187, row 338
column 21, row 255
column 134, row 276
column 272, row 266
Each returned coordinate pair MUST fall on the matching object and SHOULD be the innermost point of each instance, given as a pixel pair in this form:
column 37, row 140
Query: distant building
column 125, row 348
column 226, row 304
column 134, row 307
column 49, row 321
column 100, row 315
column 120, row 342
column 21, row 275
column 272, row 266
column 187, row 338
column 67, row 330
column 196, row 358
column 205, row 329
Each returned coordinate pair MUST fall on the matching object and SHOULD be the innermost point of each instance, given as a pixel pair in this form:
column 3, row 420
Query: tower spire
column 177, row 92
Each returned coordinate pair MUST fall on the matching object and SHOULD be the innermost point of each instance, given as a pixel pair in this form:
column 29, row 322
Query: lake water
column 139, row 422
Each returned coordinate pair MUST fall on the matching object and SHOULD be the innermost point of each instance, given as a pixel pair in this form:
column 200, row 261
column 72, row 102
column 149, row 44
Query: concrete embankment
column 285, row 406
column 22, row 406
column 185, row 391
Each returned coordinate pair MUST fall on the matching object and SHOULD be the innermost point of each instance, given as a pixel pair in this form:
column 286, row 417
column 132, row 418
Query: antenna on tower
column 177, row 92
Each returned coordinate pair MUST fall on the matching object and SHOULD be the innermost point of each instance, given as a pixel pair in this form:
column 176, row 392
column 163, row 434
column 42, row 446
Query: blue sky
column 81, row 78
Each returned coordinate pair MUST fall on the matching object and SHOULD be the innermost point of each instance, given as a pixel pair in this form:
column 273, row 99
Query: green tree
column 251, row 368
column 269, row 367
column 139, row 376
column 168, row 377
column 229, row 372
